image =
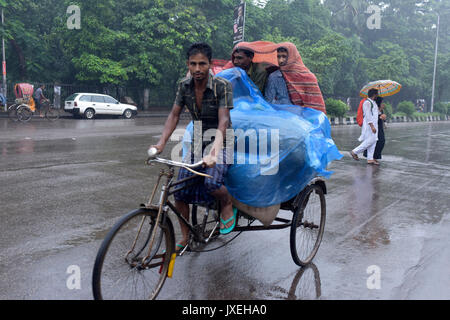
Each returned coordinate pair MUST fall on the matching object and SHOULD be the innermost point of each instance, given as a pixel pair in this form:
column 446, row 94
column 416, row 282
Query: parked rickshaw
column 24, row 105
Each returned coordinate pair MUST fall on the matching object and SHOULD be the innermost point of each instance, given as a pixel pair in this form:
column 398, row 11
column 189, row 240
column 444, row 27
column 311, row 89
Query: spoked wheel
column 133, row 260
column 308, row 225
column 24, row 113
column 12, row 112
column 206, row 221
column 52, row 114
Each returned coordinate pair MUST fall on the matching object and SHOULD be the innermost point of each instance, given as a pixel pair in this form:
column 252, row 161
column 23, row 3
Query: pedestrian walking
column 369, row 131
column 381, row 139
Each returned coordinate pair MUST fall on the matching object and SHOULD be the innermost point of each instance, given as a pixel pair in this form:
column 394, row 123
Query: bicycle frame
column 143, row 253
column 164, row 204
column 166, row 191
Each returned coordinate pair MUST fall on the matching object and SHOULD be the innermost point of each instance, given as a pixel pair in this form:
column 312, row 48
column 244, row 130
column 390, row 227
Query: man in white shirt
column 369, row 132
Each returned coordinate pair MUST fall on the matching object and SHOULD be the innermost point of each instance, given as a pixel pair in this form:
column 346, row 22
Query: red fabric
column 301, row 83
column 217, row 65
column 360, row 114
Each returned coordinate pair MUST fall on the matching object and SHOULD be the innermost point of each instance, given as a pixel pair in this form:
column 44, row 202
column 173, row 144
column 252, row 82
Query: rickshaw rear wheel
column 24, row 113
column 308, row 225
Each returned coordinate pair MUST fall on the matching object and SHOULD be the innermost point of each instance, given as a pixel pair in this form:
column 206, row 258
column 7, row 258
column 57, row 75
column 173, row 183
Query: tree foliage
column 142, row 43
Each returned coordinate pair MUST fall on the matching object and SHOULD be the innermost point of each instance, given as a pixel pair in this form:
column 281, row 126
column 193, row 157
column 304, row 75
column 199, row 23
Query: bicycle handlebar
column 152, row 152
column 175, row 163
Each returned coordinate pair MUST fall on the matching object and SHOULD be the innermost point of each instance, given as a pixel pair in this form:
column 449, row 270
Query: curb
column 66, row 115
column 335, row 121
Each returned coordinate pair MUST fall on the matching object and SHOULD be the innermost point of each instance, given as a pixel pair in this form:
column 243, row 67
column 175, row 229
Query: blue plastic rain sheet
column 278, row 149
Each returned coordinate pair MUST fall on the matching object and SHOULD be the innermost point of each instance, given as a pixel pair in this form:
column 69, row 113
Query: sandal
column 230, row 228
column 354, row 156
column 180, row 248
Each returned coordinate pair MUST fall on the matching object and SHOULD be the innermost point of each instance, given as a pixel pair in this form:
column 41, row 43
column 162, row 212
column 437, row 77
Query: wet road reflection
column 306, row 284
column 64, row 184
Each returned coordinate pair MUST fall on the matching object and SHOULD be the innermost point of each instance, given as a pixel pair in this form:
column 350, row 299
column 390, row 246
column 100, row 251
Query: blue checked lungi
column 200, row 193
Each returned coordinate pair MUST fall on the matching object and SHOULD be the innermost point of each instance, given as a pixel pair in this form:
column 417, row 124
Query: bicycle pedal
column 171, row 265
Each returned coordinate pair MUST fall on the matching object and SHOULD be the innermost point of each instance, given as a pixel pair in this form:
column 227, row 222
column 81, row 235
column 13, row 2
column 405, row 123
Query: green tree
column 95, row 49
column 156, row 53
column 332, row 59
column 142, row 43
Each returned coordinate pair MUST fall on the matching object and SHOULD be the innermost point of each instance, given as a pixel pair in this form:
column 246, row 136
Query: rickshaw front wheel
column 12, row 112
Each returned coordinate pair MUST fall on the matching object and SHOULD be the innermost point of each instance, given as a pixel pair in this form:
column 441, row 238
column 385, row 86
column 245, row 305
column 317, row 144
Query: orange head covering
column 301, row 83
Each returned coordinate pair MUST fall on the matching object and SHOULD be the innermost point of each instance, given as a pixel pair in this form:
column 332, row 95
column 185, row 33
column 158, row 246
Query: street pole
column 4, row 64
column 243, row 28
column 435, row 63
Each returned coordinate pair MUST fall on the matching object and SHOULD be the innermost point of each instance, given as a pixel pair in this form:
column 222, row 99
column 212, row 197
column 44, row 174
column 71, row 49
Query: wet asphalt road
column 64, row 184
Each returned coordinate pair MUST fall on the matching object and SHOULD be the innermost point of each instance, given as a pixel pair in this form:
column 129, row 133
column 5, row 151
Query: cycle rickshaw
column 24, row 105
column 138, row 253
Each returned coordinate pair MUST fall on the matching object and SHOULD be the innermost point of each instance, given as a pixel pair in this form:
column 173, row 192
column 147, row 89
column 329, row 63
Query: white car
column 91, row 104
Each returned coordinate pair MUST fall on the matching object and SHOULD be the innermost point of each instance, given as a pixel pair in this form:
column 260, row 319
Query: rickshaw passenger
column 209, row 100
column 243, row 59
column 276, row 90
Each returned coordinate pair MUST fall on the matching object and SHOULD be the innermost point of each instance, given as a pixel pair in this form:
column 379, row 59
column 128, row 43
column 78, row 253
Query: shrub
column 406, row 107
column 336, row 108
column 441, row 108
